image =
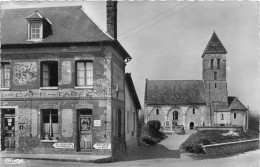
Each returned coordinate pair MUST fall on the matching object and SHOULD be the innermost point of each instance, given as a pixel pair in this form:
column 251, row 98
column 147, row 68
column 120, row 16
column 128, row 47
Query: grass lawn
column 192, row 144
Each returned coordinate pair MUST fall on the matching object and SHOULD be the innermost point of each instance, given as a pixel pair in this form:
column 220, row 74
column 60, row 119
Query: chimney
column 112, row 18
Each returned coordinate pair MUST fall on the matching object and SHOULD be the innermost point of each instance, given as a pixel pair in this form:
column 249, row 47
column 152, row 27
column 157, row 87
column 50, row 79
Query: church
column 196, row 103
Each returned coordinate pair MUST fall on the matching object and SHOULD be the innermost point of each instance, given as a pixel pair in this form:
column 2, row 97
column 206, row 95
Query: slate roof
column 69, row 24
column 168, row 92
column 214, row 46
column 130, row 83
column 235, row 104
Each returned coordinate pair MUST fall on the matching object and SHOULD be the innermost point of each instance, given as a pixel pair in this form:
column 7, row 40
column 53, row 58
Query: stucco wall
column 240, row 117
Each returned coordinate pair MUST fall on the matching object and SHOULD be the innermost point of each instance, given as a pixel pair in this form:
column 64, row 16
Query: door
column 9, row 129
column 85, row 130
column 191, row 125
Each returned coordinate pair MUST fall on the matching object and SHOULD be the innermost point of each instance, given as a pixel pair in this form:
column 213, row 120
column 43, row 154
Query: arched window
column 193, row 110
column 215, row 75
column 175, row 115
column 211, row 63
column 222, row 116
column 235, row 115
column 218, row 64
column 157, row 111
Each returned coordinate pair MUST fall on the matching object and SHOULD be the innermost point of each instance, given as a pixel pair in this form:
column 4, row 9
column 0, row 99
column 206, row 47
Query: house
column 62, row 82
column 192, row 103
column 132, row 108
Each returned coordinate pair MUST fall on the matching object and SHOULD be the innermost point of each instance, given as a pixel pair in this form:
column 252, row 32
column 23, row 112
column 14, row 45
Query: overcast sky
column 166, row 40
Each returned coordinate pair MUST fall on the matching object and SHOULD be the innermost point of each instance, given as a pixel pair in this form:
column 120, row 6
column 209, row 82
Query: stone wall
column 233, row 128
column 232, row 147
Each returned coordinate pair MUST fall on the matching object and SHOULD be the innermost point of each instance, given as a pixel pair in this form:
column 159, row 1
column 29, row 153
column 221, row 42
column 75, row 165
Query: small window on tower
column 218, row 64
column 193, row 110
column 215, row 75
column 211, row 63
column 215, row 85
column 235, row 115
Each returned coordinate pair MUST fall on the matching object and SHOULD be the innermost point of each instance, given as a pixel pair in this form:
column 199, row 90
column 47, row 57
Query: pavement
column 167, row 148
column 61, row 157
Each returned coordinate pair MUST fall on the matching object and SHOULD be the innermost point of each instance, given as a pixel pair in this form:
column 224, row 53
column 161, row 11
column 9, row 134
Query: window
column 5, row 75
column 50, row 124
column 175, row 115
column 35, row 30
column 193, row 110
column 49, row 74
column 211, row 63
column 235, row 115
column 119, row 123
column 84, row 73
column 218, row 64
column 222, row 116
column 215, row 75
column 215, row 85
column 133, row 124
column 157, row 111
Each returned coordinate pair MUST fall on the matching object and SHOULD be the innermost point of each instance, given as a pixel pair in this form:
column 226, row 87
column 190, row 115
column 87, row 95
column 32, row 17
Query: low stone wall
column 231, row 147
column 233, row 128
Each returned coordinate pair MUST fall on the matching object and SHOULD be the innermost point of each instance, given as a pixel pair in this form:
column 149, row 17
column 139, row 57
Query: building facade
column 193, row 103
column 132, row 107
column 62, row 82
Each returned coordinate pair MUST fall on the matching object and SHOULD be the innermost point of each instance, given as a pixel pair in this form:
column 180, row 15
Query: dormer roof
column 214, row 46
column 35, row 15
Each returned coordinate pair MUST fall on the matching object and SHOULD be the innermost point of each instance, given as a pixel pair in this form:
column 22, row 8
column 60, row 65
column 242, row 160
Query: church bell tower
column 214, row 74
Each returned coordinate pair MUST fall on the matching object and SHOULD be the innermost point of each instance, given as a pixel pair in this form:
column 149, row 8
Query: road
column 249, row 159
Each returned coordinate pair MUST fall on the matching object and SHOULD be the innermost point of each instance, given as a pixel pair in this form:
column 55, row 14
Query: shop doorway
column 85, row 130
column 8, row 132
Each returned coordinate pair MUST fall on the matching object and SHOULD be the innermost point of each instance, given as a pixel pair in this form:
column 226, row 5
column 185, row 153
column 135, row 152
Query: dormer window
column 35, row 30
column 38, row 27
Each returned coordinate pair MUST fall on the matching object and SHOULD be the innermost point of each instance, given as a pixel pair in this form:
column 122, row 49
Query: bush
column 154, row 129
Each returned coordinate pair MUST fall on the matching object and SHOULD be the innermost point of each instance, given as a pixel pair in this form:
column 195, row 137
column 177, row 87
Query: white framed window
column 84, row 73
column 5, row 75
column 49, row 74
column 50, row 124
column 35, row 31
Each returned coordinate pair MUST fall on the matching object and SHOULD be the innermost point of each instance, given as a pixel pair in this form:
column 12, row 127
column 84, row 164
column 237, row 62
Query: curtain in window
column 50, row 123
column 5, row 75
column 45, row 75
column 84, row 73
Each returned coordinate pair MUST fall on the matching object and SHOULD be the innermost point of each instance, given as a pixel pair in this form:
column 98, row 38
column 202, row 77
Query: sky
column 166, row 39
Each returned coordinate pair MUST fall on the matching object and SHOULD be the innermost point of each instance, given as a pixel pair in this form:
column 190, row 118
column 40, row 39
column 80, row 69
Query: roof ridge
column 52, row 7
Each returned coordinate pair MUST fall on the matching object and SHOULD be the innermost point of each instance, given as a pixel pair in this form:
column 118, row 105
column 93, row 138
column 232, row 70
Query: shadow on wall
column 151, row 152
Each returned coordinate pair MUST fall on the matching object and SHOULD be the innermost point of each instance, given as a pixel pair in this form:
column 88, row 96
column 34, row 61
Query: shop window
column 49, row 74
column 5, row 75
column 50, row 124
column 157, row 111
column 119, row 123
column 235, row 115
column 84, row 73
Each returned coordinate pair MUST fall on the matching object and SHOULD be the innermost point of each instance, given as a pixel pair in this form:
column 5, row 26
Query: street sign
column 63, row 145
column 97, row 122
column 102, row 146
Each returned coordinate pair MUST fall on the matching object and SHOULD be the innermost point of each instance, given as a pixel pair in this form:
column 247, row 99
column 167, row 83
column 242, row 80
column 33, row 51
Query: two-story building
column 62, row 82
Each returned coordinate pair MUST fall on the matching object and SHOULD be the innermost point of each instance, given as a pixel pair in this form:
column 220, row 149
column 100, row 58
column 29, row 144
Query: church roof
column 235, row 104
column 214, row 46
column 168, row 92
